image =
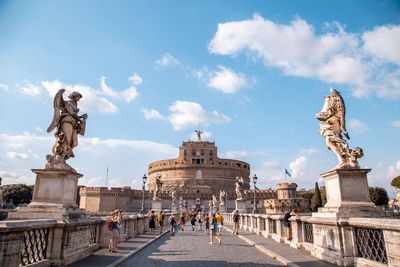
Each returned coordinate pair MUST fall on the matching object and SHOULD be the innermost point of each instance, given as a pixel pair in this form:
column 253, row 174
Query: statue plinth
column 54, row 196
column 222, row 208
column 174, row 208
column 241, row 206
column 347, row 194
column 156, row 205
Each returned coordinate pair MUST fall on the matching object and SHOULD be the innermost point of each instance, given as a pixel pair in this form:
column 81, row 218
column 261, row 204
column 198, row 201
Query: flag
column 286, row 172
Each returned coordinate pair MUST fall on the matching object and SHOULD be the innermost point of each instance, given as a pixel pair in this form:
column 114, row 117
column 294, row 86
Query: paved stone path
column 192, row 248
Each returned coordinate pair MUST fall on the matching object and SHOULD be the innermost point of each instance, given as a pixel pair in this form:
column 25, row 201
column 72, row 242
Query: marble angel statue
column 238, row 188
column 68, row 125
column 332, row 126
column 158, row 187
column 222, row 195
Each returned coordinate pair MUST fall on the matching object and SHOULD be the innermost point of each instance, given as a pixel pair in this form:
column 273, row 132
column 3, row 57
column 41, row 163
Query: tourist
column 200, row 221
column 160, row 220
column 220, row 221
column 193, row 219
column 171, row 221
column 214, row 230
column 286, row 223
column 182, row 221
column 120, row 217
column 207, row 223
column 152, row 222
column 235, row 218
column 113, row 244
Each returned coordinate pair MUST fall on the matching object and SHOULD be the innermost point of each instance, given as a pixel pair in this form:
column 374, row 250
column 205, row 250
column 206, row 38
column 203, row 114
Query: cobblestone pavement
column 192, row 248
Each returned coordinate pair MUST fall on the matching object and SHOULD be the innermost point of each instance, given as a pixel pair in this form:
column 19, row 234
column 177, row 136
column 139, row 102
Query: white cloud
column 90, row 100
column 309, row 151
column 11, row 177
column 357, row 126
column 271, row 164
column 226, row 80
column 396, row 124
column 136, row 79
column 4, row 87
column 15, row 155
column 335, row 56
column 383, row 43
column 204, row 136
column 151, row 114
column 394, row 170
column 298, row 167
column 240, row 154
column 166, row 60
column 28, row 88
column 37, row 128
column 128, row 95
column 186, row 114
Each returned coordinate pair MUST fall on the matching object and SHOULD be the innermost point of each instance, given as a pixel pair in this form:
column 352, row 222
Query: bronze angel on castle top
column 332, row 125
column 68, row 125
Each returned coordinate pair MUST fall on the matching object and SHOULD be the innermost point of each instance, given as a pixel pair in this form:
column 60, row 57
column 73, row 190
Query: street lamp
column 142, row 211
column 255, row 211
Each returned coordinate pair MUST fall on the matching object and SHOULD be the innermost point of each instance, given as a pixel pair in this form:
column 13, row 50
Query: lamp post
column 255, row 211
column 142, row 211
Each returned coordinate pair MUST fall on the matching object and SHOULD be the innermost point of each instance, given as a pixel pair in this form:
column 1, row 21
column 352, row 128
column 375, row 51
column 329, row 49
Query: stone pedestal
column 54, row 196
column 222, row 208
column 347, row 195
column 241, row 206
column 174, row 208
column 156, row 205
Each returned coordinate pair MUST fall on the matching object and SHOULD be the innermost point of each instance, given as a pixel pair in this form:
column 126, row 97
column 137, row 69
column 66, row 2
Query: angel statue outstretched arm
column 68, row 125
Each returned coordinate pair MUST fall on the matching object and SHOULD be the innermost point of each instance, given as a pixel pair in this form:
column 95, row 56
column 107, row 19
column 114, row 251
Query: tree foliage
column 18, row 194
column 308, row 195
column 323, row 198
column 396, row 182
column 316, row 201
column 379, row 196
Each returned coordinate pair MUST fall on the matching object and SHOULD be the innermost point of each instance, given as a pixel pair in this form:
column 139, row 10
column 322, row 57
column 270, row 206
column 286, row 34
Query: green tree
column 18, row 194
column 308, row 195
column 316, row 201
column 396, row 182
column 323, row 198
column 379, row 196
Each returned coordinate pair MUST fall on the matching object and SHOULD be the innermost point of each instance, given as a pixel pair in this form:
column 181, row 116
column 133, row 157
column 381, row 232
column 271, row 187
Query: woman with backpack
column 182, row 221
column 112, row 226
column 152, row 222
column 207, row 223
column 160, row 220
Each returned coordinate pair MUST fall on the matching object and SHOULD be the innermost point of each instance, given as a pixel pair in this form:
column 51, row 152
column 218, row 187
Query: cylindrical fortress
column 286, row 190
column 198, row 168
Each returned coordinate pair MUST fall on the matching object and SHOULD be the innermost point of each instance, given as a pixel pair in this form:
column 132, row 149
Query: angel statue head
column 68, row 125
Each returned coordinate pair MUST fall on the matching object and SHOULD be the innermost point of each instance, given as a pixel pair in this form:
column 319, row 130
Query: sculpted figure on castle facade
column 158, row 187
column 210, row 203
column 181, row 203
column 332, row 125
column 239, row 188
column 68, row 125
column 222, row 195
column 173, row 196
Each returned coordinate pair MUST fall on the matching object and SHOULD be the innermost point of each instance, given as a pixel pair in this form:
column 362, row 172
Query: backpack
column 109, row 226
column 235, row 217
column 160, row 217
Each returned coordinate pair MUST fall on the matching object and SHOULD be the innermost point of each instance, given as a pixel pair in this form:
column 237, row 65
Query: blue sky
column 254, row 72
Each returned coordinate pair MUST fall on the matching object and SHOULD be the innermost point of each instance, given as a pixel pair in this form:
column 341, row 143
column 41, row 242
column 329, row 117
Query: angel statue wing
column 58, row 105
column 342, row 112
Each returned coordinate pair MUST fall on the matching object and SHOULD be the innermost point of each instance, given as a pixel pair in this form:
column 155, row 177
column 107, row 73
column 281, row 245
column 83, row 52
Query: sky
column 252, row 74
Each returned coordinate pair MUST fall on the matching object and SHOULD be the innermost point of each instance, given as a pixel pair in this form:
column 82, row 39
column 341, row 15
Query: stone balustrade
column 58, row 242
column 347, row 242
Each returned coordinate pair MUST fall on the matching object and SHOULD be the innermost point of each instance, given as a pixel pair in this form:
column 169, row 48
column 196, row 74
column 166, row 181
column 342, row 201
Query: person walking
column 160, row 220
column 214, row 230
column 152, row 222
column 193, row 219
column 182, row 221
column 220, row 221
column 120, row 217
column 200, row 221
column 286, row 223
column 171, row 221
column 235, row 218
column 207, row 223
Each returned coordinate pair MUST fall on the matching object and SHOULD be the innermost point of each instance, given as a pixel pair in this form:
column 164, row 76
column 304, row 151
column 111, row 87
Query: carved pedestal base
column 54, row 196
column 174, row 208
column 347, row 195
column 222, row 208
column 241, row 206
column 156, row 205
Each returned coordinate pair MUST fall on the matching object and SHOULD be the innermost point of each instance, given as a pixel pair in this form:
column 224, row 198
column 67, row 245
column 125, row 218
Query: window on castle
column 202, row 152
